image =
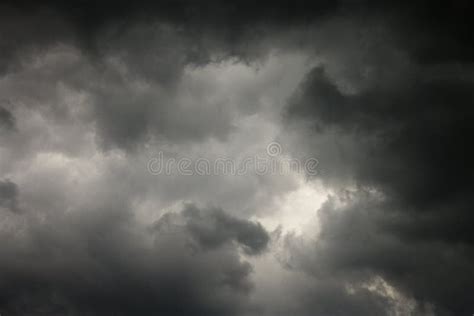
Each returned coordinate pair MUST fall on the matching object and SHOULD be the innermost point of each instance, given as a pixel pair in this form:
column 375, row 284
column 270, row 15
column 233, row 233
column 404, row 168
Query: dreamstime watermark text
column 272, row 162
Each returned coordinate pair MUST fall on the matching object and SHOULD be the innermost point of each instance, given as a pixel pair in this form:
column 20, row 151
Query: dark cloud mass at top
column 380, row 92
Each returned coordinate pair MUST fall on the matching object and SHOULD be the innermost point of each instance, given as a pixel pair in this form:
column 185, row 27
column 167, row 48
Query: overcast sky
column 143, row 148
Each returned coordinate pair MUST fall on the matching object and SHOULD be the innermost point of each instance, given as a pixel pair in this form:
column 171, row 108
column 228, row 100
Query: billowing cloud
column 98, row 262
column 380, row 94
column 392, row 155
column 7, row 120
column 214, row 228
column 8, row 195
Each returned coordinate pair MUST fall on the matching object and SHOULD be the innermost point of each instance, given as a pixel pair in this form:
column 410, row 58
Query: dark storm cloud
column 402, row 141
column 154, row 41
column 411, row 133
column 389, row 110
column 7, row 120
column 8, row 195
column 213, row 228
column 100, row 262
column 366, row 238
column 439, row 30
column 30, row 25
column 128, row 58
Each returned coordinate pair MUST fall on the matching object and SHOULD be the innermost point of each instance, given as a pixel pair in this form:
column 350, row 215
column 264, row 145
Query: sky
column 236, row 158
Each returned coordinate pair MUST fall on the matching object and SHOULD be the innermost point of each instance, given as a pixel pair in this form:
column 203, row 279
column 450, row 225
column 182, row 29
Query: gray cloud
column 213, row 228
column 397, row 154
column 8, row 195
column 396, row 143
column 105, row 262
column 93, row 89
column 7, row 120
column 365, row 239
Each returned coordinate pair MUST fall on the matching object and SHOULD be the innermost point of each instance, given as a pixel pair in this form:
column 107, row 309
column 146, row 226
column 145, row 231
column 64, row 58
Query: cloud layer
column 380, row 94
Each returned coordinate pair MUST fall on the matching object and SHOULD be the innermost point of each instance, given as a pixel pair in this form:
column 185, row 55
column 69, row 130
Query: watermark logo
column 273, row 162
column 274, row 149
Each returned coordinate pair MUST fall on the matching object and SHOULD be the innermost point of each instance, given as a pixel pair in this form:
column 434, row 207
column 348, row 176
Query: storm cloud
column 8, row 195
column 406, row 212
column 380, row 94
column 104, row 261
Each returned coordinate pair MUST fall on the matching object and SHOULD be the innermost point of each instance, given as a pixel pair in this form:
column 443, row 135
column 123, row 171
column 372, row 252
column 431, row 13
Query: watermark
column 273, row 162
